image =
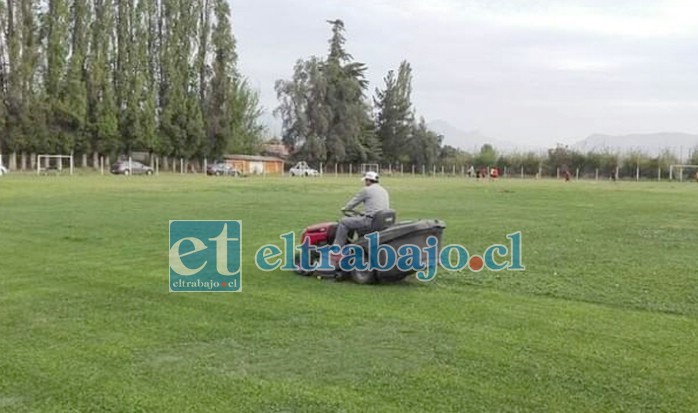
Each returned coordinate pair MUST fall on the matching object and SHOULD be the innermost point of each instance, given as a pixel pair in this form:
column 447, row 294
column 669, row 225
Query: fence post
column 350, row 169
column 157, row 165
column 101, row 164
column 181, row 166
column 578, row 174
column 558, row 173
column 637, row 172
column 205, row 165
column 522, row 173
column 336, row 174
column 130, row 170
column 659, row 174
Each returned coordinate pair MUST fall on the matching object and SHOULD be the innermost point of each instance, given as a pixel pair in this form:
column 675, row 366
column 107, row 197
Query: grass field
column 605, row 317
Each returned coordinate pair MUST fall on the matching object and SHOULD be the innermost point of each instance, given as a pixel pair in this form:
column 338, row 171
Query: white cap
column 371, row 176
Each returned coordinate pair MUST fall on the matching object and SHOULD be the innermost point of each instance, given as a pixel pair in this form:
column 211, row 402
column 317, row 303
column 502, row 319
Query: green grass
column 605, row 317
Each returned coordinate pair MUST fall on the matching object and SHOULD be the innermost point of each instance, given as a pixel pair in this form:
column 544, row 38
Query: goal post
column 673, row 169
column 365, row 167
column 57, row 163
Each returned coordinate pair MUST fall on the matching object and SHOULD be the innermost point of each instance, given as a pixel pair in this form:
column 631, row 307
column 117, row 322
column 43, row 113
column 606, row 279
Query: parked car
column 302, row 169
column 3, row 170
column 135, row 168
column 220, row 168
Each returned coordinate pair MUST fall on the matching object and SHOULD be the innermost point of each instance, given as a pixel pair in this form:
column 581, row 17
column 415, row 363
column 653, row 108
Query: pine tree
column 22, row 124
column 102, row 111
column 70, row 113
column 424, row 145
column 346, row 85
column 219, row 103
column 395, row 114
column 232, row 107
column 323, row 107
column 113, row 77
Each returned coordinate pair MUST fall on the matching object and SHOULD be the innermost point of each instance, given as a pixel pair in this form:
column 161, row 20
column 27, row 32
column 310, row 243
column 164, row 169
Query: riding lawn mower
column 389, row 231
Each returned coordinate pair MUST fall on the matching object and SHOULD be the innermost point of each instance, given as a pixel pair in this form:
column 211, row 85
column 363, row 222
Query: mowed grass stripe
column 87, row 323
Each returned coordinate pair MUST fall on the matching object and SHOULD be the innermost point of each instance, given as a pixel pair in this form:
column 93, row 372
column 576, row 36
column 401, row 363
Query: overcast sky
column 537, row 72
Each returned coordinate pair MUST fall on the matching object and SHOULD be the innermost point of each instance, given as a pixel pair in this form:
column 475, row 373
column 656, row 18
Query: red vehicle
column 395, row 234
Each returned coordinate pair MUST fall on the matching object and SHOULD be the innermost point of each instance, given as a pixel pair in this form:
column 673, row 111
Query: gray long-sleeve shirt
column 374, row 197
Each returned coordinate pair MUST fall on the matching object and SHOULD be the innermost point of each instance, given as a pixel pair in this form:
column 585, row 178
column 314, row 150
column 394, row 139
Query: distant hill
column 649, row 143
column 472, row 141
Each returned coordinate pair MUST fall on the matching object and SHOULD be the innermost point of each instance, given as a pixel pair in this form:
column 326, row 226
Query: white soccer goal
column 680, row 169
column 3, row 169
column 54, row 163
column 365, row 167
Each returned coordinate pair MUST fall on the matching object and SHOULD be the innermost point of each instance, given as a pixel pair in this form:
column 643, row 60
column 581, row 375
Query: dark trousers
column 349, row 224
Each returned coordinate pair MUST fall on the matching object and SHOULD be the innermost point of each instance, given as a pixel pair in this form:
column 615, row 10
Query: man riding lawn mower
column 377, row 217
column 375, row 199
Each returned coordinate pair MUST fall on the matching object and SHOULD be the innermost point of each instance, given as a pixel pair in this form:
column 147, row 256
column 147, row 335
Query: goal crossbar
column 59, row 165
column 365, row 167
column 680, row 167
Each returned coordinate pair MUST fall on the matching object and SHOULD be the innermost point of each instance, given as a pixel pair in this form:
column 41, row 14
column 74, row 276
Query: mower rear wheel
column 363, row 277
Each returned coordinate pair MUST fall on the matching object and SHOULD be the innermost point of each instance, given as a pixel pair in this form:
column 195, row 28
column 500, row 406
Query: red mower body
column 320, row 234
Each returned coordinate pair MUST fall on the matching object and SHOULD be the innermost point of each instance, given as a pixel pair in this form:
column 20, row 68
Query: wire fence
column 669, row 173
column 173, row 165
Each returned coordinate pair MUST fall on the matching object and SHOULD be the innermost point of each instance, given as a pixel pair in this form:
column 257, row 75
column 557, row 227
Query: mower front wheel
column 363, row 277
column 299, row 270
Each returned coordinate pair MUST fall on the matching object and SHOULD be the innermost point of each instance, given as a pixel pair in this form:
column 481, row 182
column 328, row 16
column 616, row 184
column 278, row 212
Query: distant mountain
column 681, row 144
column 472, row 141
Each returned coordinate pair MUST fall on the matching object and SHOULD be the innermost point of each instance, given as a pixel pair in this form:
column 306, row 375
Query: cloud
column 666, row 23
column 617, row 18
column 521, row 70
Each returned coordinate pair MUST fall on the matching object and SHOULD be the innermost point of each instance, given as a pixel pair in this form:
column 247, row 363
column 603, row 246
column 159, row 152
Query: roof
column 253, row 158
column 279, row 150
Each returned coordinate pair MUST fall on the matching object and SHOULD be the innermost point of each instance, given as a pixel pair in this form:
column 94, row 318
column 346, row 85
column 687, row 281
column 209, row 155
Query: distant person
column 568, row 176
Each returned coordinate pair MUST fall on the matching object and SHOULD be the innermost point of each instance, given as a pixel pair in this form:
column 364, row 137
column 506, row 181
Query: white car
column 302, row 169
column 4, row 171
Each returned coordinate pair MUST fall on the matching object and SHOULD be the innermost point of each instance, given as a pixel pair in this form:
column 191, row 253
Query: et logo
column 205, row 256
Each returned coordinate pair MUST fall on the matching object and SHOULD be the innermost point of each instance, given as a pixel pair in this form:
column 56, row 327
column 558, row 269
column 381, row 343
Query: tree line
column 328, row 116
column 562, row 159
column 109, row 77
